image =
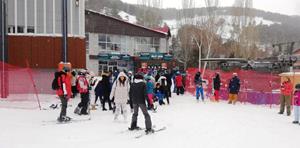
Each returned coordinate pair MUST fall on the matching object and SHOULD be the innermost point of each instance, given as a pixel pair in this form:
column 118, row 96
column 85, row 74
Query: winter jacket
column 150, row 87
column 217, row 83
column 120, row 92
column 286, row 88
column 82, row 85
column 99, row 85
column 157, row 90
column 178, row 81
column 234, row 85
column 138, row 92
column 64, row 84
column 106, row 85
column 160, row 81
column 297, row 98
column 198, row 80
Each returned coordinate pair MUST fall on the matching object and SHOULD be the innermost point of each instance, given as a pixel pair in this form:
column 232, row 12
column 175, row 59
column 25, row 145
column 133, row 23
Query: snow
column 189, row 124
column 127, row 17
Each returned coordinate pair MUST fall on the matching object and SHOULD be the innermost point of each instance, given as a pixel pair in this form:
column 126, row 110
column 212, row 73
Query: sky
column 288, row 7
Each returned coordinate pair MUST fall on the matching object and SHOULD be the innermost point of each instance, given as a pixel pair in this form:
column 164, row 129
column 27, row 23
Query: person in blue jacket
column 199, row 87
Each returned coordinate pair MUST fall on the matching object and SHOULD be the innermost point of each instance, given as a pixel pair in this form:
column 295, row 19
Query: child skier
column 159, row 94
column 297, row 104
column 83, row 88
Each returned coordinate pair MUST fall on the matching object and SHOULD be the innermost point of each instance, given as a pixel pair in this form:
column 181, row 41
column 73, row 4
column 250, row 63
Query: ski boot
column 149, row 131
column 295, row 122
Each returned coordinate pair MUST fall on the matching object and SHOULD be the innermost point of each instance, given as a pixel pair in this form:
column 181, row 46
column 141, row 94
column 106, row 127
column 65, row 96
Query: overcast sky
column 289, row 7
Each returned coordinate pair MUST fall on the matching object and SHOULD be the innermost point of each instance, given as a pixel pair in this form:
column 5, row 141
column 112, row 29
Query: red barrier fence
column 256, row 87
column 20, row 87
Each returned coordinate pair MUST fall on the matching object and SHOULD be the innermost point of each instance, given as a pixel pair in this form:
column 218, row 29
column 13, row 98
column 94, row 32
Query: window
column 30, row 29
column 20, row 29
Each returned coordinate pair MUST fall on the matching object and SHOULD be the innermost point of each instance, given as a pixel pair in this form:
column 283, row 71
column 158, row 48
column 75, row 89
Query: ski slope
column 189, row 124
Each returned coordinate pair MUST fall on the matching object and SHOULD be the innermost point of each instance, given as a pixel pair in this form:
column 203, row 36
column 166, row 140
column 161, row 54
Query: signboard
column 145, row 56
column 168, row 57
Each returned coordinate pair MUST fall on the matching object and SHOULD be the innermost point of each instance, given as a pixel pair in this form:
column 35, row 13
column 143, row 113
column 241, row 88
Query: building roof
column 125, row 22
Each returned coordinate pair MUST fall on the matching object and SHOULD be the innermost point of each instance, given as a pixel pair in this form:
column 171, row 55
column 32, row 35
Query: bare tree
column 149, row 14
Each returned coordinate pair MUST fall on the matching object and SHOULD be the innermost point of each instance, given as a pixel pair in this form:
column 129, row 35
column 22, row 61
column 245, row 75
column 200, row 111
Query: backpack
column 55, row 84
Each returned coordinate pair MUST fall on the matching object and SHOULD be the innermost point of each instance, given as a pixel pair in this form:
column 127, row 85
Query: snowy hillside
column 189, row 125
column 175, row 24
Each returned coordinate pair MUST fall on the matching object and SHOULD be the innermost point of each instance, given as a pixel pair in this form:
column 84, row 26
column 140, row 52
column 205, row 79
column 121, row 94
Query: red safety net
column 256, row 87
column 20, row 87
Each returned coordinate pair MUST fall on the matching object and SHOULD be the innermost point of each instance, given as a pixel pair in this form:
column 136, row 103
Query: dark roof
column 161, row 33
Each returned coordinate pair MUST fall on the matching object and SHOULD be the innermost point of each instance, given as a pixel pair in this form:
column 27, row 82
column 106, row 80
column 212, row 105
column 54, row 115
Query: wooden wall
column 44, row 52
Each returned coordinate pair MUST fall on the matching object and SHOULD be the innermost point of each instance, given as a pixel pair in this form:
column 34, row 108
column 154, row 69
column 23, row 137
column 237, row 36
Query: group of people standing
column 120, row 90
column 233, row 87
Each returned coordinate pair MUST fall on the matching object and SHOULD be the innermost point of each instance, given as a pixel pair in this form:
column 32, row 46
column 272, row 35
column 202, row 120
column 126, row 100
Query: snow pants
column 146, row 115
column 64, row 105
column 285, row 101
column 296, row 112
column 179, row 90
column 84, row 104
column 216, row 95
column 199, row 91
column 121, row 109
column 103, row 99
column 232, row 98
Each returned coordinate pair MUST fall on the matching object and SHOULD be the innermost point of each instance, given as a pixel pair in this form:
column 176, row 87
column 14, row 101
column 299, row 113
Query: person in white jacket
column 120, row 93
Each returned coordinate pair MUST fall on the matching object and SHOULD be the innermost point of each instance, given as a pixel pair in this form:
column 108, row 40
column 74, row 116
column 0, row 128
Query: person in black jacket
column 234, row 88
column 138, row 95
column 105, row 88
column 216, row 86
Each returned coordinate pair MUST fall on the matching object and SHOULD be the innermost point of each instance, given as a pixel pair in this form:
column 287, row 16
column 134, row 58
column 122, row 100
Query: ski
column 66, row 122
column 155, row 131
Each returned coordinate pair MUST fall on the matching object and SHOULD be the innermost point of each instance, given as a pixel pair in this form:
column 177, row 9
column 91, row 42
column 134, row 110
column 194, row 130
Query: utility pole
column 4, row 52
column 65, row 31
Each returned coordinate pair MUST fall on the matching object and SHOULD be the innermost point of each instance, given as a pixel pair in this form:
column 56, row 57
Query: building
column 35, row 33
column 113, row 43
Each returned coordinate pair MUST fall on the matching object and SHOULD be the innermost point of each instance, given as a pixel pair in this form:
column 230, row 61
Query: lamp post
column 65, row 31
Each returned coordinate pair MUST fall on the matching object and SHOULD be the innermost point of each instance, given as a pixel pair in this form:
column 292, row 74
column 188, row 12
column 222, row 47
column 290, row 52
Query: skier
column 234, row 88
column 83, row 88
column 216, row 86
column 120, row 91
column 297, row 104
column 285, row 100
column 199, row 88
column 179, row 84
column 138, row 95
column 64, row 92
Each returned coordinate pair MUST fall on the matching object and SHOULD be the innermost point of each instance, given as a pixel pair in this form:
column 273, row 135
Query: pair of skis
column 140, row 135
column 150, row 133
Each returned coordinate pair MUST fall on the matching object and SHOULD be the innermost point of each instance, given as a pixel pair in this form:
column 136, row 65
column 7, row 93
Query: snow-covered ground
column 189, row 124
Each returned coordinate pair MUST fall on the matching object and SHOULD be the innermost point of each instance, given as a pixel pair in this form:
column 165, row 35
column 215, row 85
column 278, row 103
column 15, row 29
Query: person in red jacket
column 179, row 84
column 64, row 92
column 286, row 95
